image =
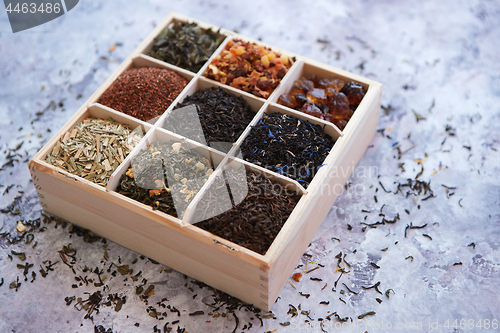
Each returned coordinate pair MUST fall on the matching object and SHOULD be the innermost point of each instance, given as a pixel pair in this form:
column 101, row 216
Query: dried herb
column 370, row 313
column 418, row 116
column 375, row 286
column 288, row 146
column 222, row 115
column 388, row 292
column 255, row 218
column 197, row 313
column 93, row 149
column 144, row 92
column 15, row 284
column 166, row 176
column 250, row 67
column 21, row 255
column 305, row 295
column 349, row 289
column 186, row 45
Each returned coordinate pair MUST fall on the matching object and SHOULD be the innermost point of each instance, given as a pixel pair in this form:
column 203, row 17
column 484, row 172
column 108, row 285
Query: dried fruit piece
column 250, row 67
column 20, row 227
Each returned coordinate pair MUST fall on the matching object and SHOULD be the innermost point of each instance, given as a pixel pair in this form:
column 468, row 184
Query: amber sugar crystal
column 329, row 98
column 250, row 67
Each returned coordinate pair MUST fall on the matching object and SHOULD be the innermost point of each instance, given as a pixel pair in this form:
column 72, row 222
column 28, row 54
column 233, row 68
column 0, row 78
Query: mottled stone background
column 437, row 59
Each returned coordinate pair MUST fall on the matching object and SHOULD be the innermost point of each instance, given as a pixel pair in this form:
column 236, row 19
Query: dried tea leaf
column 186, row 45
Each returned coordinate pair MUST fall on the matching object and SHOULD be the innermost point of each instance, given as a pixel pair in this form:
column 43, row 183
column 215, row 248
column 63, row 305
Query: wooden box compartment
column 178, row 242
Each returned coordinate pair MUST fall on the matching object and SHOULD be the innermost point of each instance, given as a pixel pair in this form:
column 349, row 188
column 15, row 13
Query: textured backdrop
column 440, row 125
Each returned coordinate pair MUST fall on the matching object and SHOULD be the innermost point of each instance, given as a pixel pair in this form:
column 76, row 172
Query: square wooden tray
column 245, row 274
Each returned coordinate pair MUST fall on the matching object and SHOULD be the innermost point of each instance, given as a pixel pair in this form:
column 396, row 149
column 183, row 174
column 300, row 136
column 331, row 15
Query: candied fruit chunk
column 284, row 59
column 317, row 96
column 265, row 61
column 354, row 92
column 288, row 100
column 250, row 67
column 331, row 82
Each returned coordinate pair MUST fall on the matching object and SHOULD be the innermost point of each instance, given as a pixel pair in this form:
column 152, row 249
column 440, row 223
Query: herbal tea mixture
column 93, row 149
column 144, row 93
column 250, row 67
column 288, row 146
column 166, row 176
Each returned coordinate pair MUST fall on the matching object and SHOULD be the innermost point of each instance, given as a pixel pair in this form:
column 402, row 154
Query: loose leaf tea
column 223, row 116
column 329, row 99
column 257, row 219
column 93, row 149
column 159, row 200
column 144, row 92
column 186, row 45
column 287, row 145
column 250, row 67
column 166, row 176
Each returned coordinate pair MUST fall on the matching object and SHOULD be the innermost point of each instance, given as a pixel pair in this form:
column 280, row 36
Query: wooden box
column 245, row 274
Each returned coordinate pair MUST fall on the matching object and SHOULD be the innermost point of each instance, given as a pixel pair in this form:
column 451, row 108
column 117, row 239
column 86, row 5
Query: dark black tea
column 222, row 116
column 257, row 208
column 287, row 145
